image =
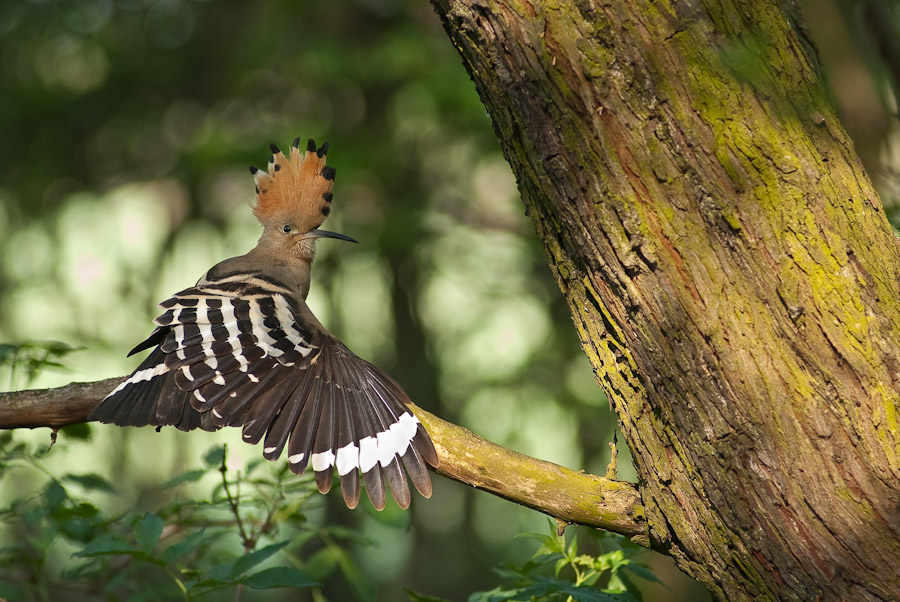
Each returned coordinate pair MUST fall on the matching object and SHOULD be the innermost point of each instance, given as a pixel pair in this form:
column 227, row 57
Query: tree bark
column 730, row 271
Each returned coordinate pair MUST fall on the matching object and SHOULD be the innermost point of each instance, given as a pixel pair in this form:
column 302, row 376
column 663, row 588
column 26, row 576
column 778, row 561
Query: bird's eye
column 286, row 228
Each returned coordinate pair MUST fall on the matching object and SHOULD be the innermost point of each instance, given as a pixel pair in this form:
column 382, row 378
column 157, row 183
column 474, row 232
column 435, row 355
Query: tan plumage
column 296, row 188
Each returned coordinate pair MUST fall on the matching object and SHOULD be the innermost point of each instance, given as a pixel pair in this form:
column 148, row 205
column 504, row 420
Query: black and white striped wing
column 236, row 352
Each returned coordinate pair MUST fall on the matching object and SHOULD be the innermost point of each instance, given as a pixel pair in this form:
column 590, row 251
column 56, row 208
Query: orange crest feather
column 295, row 189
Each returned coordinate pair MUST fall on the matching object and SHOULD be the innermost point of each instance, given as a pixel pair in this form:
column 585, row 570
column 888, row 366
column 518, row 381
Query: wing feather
column 395, row 478
column 347, row 454
column 238, row 349
column 302, row 435
column 324, row 447
column 268, row 402
column 205, row 397
column 230, row 410
column 284, row 422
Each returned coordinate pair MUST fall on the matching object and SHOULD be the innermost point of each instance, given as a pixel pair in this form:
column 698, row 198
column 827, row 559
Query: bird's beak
column 328, row 234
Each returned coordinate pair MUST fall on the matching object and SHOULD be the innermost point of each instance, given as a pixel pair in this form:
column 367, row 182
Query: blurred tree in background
column 128, row 129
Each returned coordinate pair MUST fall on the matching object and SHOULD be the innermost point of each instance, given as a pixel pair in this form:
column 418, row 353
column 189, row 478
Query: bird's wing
column 240, row 351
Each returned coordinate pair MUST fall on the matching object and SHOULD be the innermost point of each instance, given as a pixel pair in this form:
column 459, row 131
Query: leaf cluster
column 251, row 531
column 28, row 359
column 556, row 572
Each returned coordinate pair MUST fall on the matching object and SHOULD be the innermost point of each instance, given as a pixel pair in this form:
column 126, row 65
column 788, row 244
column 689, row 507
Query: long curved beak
column 328, row 234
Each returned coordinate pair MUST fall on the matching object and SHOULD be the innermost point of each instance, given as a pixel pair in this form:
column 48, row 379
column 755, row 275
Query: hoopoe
column 241, row 348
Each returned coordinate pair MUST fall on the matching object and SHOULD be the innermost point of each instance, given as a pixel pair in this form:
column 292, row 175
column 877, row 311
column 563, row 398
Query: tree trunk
column 729, row 268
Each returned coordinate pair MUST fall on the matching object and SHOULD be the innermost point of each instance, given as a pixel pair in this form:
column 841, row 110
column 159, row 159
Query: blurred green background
column 127, row 130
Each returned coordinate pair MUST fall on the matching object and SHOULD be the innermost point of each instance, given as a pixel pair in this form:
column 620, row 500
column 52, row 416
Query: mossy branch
column 570, row 496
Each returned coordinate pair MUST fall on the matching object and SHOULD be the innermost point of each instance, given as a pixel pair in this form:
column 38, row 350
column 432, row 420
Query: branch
column 54, row 408
column 573, row 497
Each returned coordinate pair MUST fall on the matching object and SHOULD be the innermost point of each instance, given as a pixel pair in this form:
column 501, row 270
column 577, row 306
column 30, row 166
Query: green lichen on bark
column 729, row 271
column 575, row 497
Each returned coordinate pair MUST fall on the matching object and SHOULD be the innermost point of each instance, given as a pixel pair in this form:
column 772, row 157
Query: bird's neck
column 281, row 264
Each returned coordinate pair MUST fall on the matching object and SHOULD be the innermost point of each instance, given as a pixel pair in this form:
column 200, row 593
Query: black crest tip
column 311, row 145
column 323, row 151
column 274, row 148
column 253, row 170
column 328, row 172
column 296, row 143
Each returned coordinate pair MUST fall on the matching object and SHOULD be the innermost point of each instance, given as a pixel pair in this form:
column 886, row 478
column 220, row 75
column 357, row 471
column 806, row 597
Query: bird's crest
column 295, row 189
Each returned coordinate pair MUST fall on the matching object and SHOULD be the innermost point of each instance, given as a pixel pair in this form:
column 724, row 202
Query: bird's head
column 293, row 198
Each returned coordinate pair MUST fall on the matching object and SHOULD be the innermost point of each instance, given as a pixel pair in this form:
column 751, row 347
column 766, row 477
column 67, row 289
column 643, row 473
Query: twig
column 248, row 542
column 613, row 465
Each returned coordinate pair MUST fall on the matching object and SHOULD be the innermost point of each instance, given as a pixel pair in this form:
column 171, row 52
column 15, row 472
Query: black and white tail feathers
column 240, row 350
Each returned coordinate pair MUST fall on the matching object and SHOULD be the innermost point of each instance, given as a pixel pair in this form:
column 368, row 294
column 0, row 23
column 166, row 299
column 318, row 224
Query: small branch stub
column 613, row 465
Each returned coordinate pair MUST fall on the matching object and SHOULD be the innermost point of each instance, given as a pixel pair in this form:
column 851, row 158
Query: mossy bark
column 571, row 497
column 730, row 271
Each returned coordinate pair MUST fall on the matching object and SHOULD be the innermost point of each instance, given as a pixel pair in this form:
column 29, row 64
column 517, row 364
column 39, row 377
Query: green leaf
column 547, row 588
column 55, row 495
column 347, row 534
column 91, row 482
column 362, row 588
column 248, row 561
column 322, row 563
column 181, row 548
column 532, row 535
column 495, row 595
column 214, row 456
column 623, row 583
column 512, row 573
column 254, row 464
column 147, row 531
column 108, row 543
column 7, row 352
column 578, row 593
column 279, row 576
column 190, row 476
column 57, row 347
column 560, row 564
column 549, row 543
column 542, row 559
column 34, row 356
column 590, row 577
column 417, row 597
column 78, row 522
column 221, row 573
column 643, row 572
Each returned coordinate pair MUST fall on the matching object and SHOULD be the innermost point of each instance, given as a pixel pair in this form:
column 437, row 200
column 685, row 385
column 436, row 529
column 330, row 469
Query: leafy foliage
column 556, row 572
column 184, row 550
column 250, row 531
column 26, row 360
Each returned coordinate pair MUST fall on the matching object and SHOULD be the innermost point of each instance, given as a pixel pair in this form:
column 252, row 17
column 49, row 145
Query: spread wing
column 240, row 351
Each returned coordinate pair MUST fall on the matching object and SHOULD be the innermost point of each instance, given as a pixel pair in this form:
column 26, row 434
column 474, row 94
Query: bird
column 242, row 348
